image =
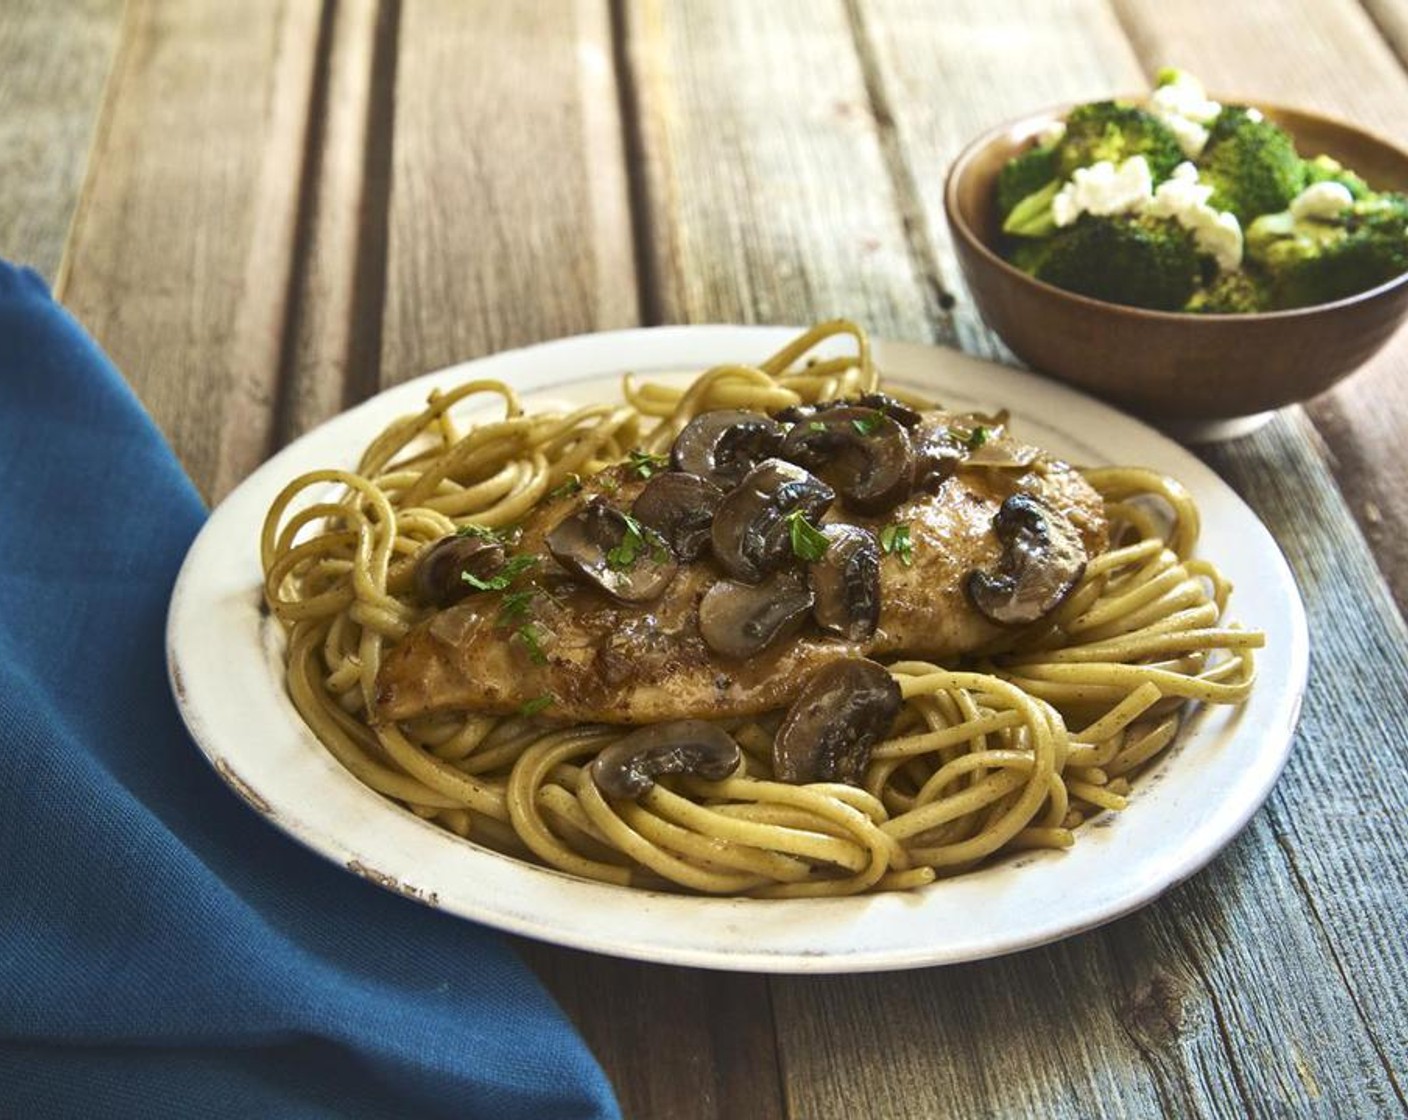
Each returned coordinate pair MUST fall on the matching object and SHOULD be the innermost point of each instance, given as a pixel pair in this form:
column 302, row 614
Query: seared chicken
column 591, row 658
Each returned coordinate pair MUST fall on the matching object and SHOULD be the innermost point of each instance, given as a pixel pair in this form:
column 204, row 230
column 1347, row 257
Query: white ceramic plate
column 225, row 665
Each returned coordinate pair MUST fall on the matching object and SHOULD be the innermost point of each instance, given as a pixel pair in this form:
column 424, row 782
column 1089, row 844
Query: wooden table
column 266, row 211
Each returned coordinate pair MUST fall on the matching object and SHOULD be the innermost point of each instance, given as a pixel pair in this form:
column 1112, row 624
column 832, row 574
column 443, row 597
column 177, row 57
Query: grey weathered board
column 290, row 204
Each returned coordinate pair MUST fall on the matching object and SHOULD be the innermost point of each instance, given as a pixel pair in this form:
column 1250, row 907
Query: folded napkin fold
column 163, row 951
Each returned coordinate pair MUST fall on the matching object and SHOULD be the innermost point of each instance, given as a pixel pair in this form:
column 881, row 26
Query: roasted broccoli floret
column 1318, row 260
column 1029, row 255
column 1323, row 169
column 1113, row 131
column 1140, row 261
column 1237, row 292
column 1023, row 175
column 1251, row 164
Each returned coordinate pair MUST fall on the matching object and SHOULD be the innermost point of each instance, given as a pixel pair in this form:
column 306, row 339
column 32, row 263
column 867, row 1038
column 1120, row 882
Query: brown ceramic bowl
column 1192, row 373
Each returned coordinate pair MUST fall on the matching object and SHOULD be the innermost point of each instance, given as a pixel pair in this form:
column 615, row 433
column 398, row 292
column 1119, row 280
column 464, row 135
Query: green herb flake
column 644, row 464
column 894, row 539
column 483, row 532
column 528, row 635
column 515, row 567
column 538, row 704
column 817, row 426
column 515, row 606
column 867, row 424
column 569, row 487
column 977, row 437
column 808, row 542
column 632, row 545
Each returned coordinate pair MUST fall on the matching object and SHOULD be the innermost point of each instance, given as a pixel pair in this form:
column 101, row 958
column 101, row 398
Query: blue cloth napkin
column 163, row 951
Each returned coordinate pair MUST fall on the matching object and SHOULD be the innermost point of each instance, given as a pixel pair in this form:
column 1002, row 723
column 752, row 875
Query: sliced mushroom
column 738, row 619
column 612, row 552
column 898, row 411
column 797, row 412
column 1043, row 557
column 628, row 768
column 680, row 507
column 937, row 456
column 846, row 582
column 865, row 454
column 844, row 709
column 441, row 569
column 881, row 402
column 723, row 446
column 752, row 534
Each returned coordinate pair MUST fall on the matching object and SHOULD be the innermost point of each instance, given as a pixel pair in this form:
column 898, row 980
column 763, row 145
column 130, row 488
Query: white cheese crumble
column 1215, row 232
column 1184, row 106
column 1320, row 201
column 1103, row 188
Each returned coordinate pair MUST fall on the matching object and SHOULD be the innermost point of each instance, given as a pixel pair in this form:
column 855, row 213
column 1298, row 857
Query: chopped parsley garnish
column 483, row 532
column 537, row 704
column 894, row 539
column 645, row 464
column 515, row 567
column 867, row 424
column 817, row 426
column 572, row 484
column 977, row 437
column 528, row 635
column 808, row 542
column 632, row 546
column 515, row 605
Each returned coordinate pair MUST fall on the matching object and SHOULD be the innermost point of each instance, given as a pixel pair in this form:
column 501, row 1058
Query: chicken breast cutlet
column 608, row 619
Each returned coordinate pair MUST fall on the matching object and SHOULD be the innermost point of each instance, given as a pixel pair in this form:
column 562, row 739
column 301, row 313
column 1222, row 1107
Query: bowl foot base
column 1214, row 431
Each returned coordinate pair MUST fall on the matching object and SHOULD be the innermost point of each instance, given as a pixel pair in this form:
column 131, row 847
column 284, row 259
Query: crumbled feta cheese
column 1184, row 106
column 1321, row 200
column 1052, row 134
column 1103, row 188
column 1255, row 115
column 1185, row 199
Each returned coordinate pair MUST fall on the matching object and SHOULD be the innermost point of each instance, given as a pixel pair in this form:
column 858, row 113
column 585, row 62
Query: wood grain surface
column 49, row 102
column 289, row 205
column 181, row 252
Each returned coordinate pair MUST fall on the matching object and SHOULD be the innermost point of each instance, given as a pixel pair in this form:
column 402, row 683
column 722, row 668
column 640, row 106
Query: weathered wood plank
column 54, row 62
column 1326, row 55
column 331, row 344
column 766, row 185
column 181, row 249
column 680, row 1043
column 509, row 224
column 509, row 215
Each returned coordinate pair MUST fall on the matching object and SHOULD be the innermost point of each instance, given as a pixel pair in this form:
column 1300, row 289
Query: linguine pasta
column 1009, row 750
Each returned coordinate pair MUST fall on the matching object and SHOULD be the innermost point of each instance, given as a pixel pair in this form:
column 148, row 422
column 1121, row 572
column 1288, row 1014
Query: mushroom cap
column 612, row 552
column 680, row 507
column 846, row 582
column 738, row 619
column 1043, row 558
column 751, row 534
column 441, row 568
column 897, row 410
column 628, row 768
column 724, row 445
column 843, row 710
column 863, row 452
